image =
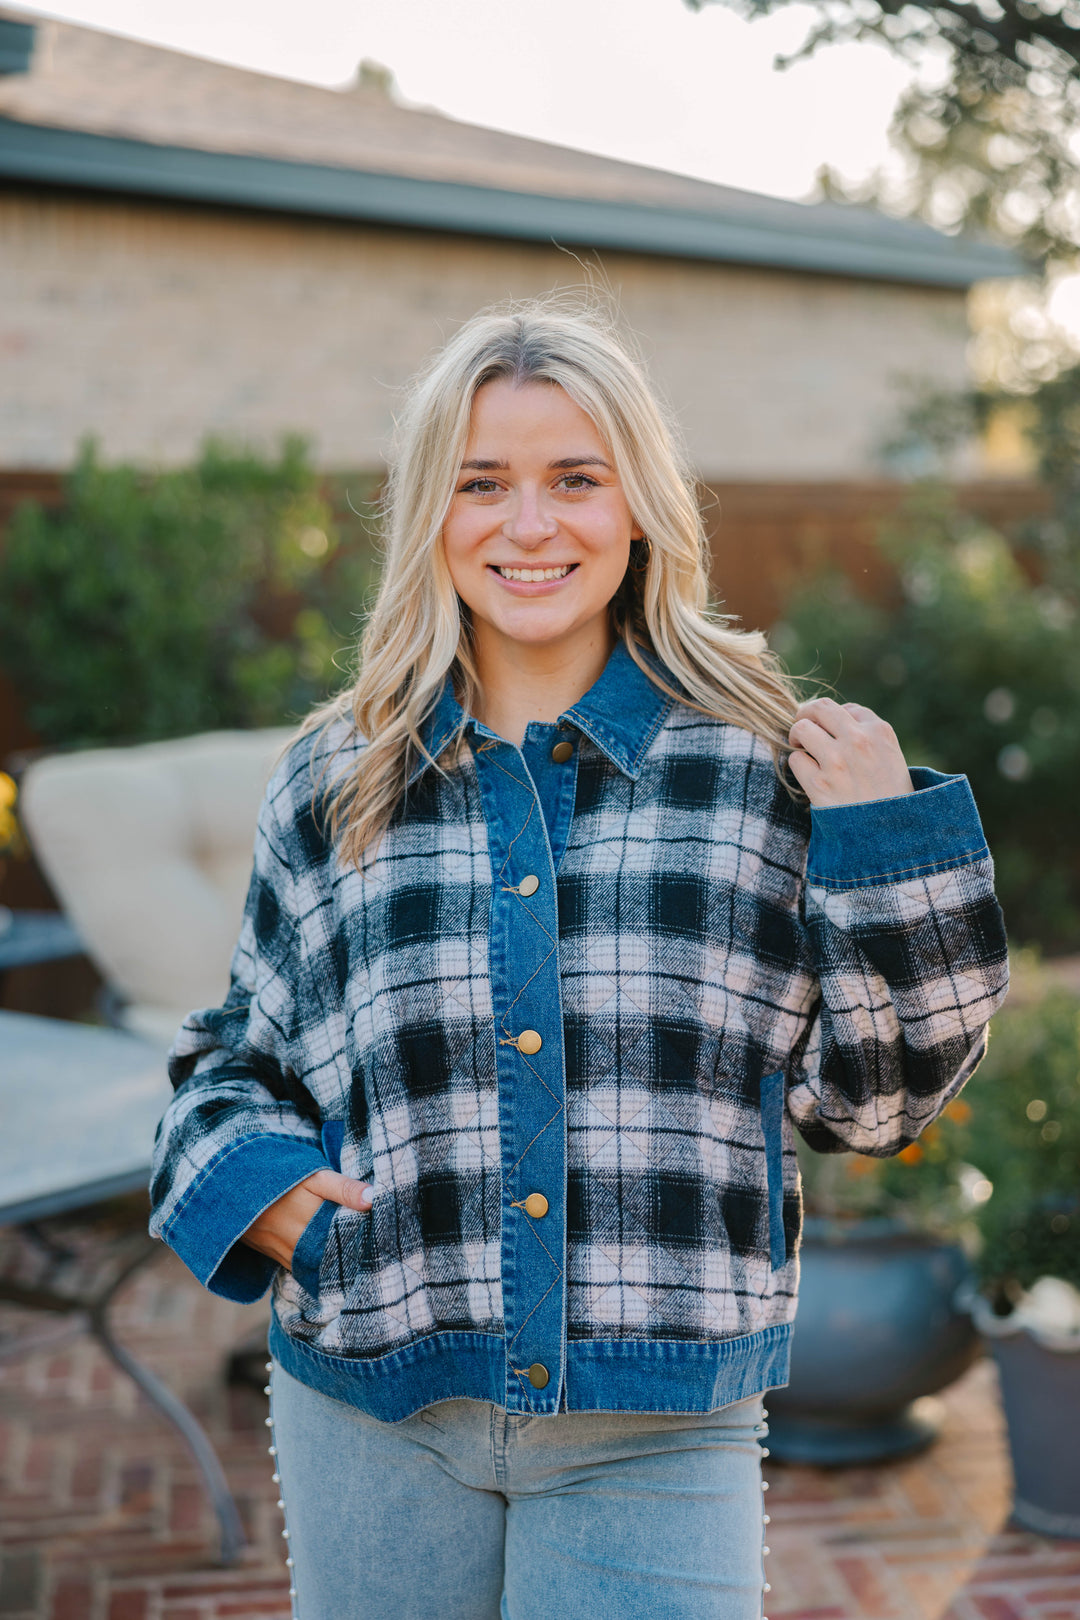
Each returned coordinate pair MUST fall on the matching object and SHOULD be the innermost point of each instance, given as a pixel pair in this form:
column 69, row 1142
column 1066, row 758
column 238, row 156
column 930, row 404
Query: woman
column 543, row 960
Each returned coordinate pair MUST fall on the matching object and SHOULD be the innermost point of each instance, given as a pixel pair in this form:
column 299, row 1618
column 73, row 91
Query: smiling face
column 537, row 538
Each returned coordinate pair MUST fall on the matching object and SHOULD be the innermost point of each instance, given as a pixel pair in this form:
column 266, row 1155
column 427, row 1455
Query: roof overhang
column 49, row 156
column 16, row 45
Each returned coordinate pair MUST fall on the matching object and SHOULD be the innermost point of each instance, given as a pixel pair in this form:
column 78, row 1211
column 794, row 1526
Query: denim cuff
column 236, row 1186
column 934, row 829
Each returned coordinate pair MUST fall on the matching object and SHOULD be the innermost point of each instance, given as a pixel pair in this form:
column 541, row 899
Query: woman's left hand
column 843, row 753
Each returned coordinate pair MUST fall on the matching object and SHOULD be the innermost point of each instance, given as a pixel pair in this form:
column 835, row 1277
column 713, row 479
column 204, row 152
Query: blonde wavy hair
column 418, row 633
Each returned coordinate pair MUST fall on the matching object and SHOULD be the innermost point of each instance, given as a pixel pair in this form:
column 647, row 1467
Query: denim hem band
column 602, row 1375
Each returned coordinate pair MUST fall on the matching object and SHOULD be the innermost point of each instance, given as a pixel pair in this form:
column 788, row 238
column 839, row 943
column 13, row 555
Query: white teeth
column 533, row 574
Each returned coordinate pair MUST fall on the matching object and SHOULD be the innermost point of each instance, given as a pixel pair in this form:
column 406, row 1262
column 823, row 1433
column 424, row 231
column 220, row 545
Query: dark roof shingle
column 130, row 95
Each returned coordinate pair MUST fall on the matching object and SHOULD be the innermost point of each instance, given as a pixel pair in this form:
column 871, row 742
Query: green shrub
column 977, row 666
column 1024, row 1135
column 154, row 605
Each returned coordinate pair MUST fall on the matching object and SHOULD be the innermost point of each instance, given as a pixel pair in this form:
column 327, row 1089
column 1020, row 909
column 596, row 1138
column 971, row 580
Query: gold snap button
column 536, row 1205
column 561, row 752
column 528, row 885
column 539, row 1377
column 529, row 1042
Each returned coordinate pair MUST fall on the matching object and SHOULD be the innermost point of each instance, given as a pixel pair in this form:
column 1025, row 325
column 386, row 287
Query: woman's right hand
column 277, row 1230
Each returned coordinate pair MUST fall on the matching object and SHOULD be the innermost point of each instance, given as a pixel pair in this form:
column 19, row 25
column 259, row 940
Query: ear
column 636, row 531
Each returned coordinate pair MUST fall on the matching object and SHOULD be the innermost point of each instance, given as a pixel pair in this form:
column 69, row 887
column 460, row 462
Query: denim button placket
column 531, row 1070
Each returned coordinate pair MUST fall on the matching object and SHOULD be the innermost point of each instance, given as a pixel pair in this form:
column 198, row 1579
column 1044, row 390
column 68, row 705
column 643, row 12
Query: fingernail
column 367, row 1194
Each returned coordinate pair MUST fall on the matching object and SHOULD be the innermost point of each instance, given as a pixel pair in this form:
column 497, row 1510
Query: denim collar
column 621, row 712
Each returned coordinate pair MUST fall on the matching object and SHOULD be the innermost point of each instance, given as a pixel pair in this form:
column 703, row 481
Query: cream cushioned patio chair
column 148, row 849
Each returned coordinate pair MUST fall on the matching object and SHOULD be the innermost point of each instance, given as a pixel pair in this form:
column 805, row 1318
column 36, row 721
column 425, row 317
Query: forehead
column 506, row 415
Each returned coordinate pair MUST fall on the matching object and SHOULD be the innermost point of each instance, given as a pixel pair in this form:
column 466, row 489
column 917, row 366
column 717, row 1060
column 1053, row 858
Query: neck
column 520, row 682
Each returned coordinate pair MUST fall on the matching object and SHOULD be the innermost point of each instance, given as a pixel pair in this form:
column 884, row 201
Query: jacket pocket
column 333, row 1140
column 311, row 1246
column 772, row 1127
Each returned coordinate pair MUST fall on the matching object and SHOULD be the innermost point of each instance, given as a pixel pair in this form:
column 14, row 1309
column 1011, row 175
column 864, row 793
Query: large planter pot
column 878, row 1327
column 1040, row 1391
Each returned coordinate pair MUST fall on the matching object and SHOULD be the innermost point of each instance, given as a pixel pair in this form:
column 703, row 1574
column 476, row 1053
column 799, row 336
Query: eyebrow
column 564, row 465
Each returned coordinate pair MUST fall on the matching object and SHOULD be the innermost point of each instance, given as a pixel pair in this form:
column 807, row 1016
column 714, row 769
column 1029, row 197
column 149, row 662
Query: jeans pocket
column 311, row 1246
column 772, row 1127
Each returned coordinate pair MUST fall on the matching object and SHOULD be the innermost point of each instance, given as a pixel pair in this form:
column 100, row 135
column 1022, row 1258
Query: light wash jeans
column 466, row 1512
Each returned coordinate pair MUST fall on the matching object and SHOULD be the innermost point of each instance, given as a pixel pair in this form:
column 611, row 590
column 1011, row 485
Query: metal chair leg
column 95, row 1316
column 172, row 1408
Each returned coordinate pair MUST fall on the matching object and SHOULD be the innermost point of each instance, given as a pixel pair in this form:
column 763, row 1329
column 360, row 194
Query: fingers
column 852, row 724
column 817, row 724
column 339, row 1189
column 845, row 754
column 835, row 718
column 823, row 712
column 806, row 772
column 813, row 739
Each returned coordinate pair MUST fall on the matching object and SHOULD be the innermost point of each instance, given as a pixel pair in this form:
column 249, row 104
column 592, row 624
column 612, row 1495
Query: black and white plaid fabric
column 712, row 995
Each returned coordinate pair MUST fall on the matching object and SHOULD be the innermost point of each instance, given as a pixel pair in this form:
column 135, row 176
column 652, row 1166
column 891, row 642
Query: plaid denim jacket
column 569, row 1050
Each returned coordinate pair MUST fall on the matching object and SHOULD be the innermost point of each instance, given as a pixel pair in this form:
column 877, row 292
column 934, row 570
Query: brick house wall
column 151, row 324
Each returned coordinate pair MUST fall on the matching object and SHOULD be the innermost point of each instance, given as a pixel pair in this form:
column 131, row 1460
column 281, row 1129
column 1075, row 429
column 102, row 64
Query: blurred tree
column 976, row 660
column 990, row 135
column 994, row 132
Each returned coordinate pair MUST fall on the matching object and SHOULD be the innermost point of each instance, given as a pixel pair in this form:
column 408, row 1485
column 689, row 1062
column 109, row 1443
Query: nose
column 529, row 525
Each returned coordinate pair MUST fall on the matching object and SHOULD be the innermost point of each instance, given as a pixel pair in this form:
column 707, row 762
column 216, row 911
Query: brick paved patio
column 102, row 1518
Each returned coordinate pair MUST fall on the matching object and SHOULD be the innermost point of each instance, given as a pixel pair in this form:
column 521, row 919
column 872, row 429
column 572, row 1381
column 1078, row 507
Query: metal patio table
column 30, row 937
column 78, row 1107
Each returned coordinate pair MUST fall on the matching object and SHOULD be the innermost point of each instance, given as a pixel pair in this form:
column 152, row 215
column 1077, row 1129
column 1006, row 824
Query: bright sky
column 645, row 80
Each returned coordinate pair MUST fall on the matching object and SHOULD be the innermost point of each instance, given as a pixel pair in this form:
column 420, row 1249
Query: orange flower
column 911, row 1154
column 960, row 1111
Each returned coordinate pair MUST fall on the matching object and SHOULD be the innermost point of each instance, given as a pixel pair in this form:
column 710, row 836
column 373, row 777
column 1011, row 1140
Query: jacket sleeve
column 907, row 943
column 242, row 1128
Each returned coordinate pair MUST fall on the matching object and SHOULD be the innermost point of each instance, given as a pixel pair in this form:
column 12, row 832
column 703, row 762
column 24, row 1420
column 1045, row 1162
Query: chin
column 535, row 635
